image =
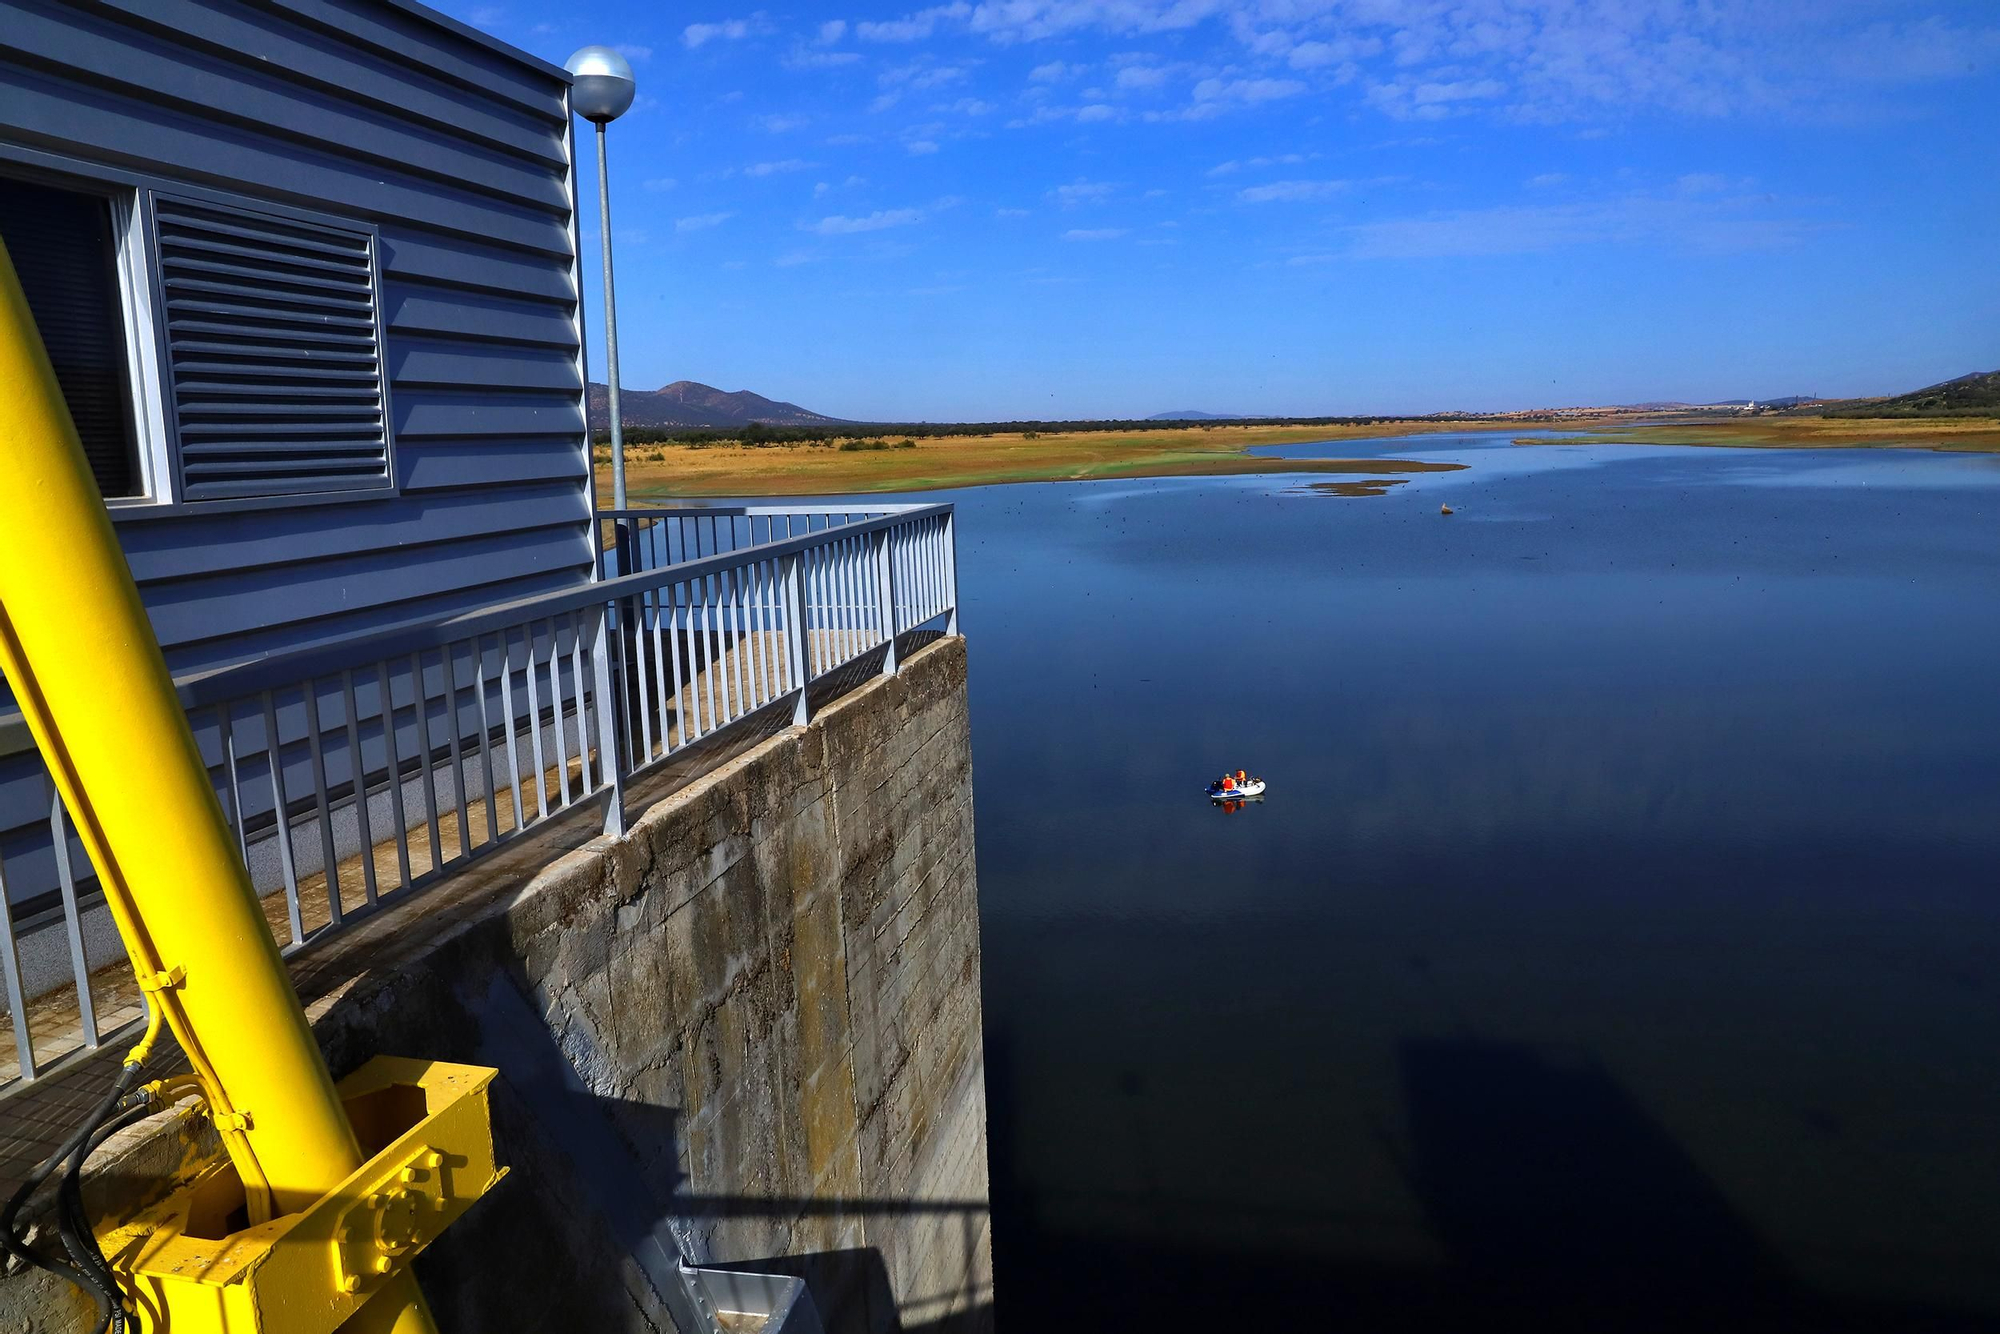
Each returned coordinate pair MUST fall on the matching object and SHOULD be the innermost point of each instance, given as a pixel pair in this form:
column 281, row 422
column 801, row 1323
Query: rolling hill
column 1974, row 395
column 686, row 403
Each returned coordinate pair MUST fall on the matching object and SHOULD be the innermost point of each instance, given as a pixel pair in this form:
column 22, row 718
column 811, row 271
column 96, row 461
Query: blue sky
column 1056, row 208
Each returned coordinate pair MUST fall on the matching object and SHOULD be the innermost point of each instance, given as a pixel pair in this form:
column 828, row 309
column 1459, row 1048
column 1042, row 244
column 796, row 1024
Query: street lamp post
column 600, row 92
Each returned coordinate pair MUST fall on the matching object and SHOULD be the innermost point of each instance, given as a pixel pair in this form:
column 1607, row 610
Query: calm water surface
column 1616, row 944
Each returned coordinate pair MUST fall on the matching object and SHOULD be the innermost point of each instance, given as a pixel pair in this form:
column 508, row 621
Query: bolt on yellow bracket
column 194, row 1266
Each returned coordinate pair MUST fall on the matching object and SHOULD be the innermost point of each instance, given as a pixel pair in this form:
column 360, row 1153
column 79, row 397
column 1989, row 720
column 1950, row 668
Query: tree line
column 868, row 433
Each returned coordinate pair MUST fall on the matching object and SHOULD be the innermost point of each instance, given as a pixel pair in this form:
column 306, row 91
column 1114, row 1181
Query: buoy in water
column 1444, row 509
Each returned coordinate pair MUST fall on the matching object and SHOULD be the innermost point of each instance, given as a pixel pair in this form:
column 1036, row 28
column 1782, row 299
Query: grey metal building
column 308, row 269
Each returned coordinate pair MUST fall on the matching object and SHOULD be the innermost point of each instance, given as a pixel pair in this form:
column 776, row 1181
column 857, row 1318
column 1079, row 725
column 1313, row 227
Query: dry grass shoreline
column 729, row 469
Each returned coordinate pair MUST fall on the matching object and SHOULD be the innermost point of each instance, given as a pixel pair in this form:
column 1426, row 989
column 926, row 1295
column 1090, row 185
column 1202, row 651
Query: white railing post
column 792, row 574
column 951, row 568
column 885, row 596
column 610, row 766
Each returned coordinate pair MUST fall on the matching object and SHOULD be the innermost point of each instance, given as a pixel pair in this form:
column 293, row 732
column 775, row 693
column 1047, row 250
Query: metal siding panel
column 408, row 308
column 262, row 641
column 542, row 90
column 267, row 100
column 65, row 116
column 325, row 63
column 437, row 465
column 430, row 413
column 478, row 293
column 462, row 365
column 180, row 549
column 454, row 262
column 234, row 602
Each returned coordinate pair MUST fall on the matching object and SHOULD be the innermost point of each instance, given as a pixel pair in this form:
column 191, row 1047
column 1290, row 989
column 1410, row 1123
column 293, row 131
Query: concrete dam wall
column 746, row 1034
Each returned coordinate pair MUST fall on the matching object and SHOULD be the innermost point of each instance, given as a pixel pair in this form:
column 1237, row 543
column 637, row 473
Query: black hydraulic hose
column 96, row 1285
column 74, row 1226
column 10, row 1236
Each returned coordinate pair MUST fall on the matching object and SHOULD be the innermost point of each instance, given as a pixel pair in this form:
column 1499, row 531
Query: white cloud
column 921, row 147
column 775, row 123
column 804, row 58
column 661, row 183
column 1538, row 61
column 1291, row 192
column 1343, row 52
column 1705, row 225
column 775, row 168
column 1082, row 192
column 832, row 31
column 1702, row 183
column 915, row 76
column 638, row 55
column 697, row 35
column 881, row 220
column 1231, row 167
column 1547, row 179
column 1096, row 233
column 1246, row 90
column 1096, row 111
column 1410, row 99
column 702, row 222
column 913, row 28
column 1136, row 77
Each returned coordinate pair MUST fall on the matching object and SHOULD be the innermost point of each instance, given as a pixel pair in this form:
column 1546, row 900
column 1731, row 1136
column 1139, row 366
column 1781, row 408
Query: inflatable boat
column 1236, row 791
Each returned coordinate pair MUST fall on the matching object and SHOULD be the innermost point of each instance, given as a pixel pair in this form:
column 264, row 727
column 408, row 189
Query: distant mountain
column 1190, row 415
column 684, row 403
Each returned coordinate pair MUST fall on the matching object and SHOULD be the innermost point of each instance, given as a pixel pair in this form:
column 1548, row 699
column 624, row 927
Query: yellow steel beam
column 88, row 673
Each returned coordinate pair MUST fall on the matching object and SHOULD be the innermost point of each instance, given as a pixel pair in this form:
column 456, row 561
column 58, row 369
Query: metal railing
column 360, row 772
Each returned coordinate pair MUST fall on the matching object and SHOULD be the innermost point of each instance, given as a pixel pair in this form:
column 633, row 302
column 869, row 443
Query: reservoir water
column 1615, row 948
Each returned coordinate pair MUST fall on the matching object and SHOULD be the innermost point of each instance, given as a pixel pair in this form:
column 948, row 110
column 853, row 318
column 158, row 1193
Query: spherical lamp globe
column 602, row 89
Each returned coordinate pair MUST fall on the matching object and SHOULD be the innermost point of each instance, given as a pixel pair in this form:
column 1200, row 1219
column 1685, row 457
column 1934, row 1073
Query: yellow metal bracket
column 162, row 981
column 196, row 1267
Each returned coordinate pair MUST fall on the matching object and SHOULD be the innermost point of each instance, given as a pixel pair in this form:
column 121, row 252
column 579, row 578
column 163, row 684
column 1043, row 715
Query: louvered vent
column 275, row 367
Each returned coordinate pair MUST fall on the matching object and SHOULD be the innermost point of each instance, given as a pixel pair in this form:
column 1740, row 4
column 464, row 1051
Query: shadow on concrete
column 605, row 1174
column 1558, row 1203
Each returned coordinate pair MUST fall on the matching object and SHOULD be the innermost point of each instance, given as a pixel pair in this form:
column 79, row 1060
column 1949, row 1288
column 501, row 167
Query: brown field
column 801, row 470
column 728, row 469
